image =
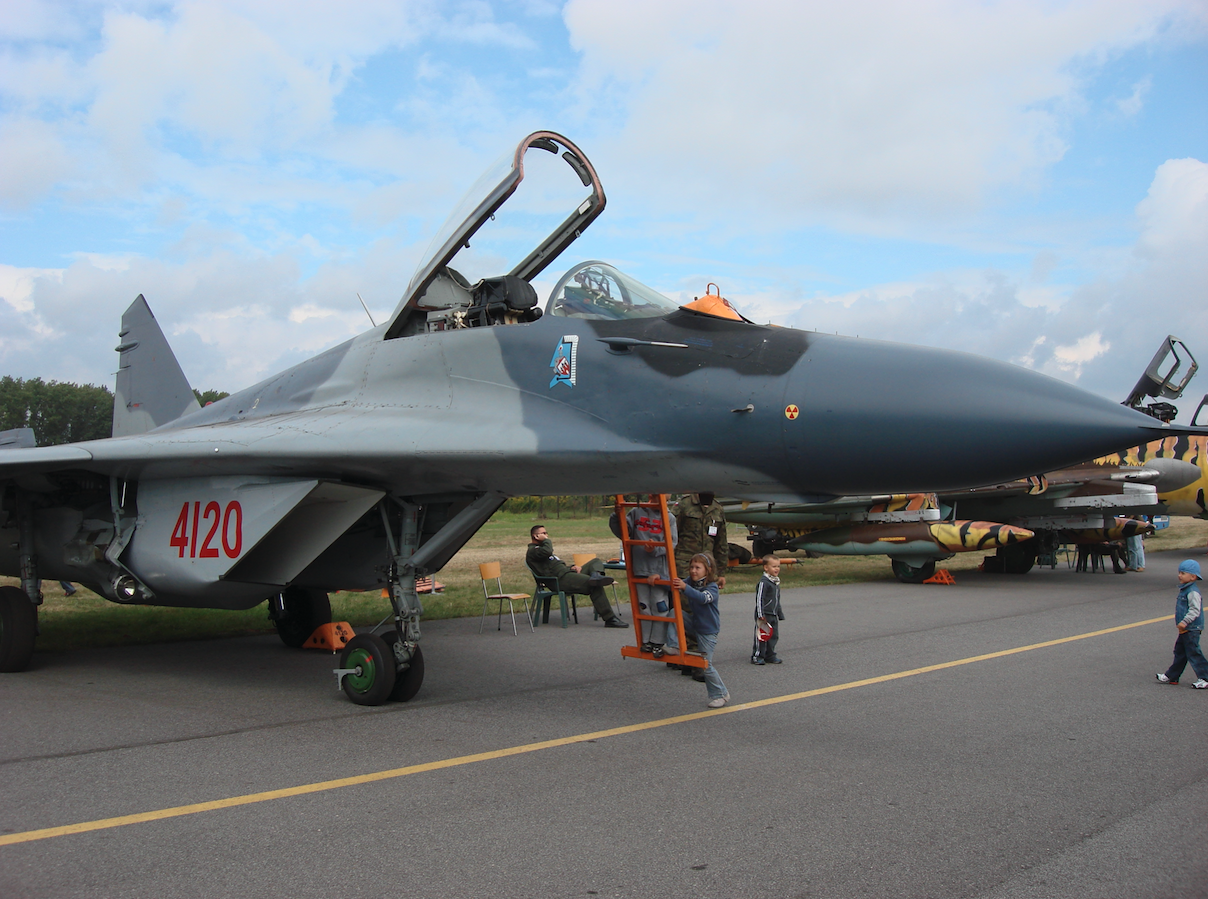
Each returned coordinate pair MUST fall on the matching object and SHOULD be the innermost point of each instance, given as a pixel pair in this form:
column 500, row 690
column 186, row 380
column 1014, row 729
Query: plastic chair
column 582, row 559
column 547, row 589
column 491, row 570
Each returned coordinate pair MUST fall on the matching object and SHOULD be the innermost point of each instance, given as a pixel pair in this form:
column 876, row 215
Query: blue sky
column 1025, row 180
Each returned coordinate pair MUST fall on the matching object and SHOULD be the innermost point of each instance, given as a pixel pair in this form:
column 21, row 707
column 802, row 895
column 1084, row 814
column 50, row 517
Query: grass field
column 86, row 619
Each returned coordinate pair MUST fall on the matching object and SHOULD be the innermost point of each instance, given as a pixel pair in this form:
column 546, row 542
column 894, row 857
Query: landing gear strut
column 407, row 561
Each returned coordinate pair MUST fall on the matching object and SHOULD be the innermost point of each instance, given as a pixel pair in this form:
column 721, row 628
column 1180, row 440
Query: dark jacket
column 767, row 600
column 541, row 559
column 703, row 599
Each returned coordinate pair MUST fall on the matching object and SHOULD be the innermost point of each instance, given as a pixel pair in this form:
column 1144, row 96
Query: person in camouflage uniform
column 702, row 529
column 701, row 525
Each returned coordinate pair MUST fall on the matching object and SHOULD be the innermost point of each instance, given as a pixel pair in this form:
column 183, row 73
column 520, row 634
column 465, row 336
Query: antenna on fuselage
column 366, row 308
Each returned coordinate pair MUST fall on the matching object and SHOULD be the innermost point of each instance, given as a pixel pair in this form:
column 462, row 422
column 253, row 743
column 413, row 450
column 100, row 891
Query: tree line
column 62, row 412
column 594, row 506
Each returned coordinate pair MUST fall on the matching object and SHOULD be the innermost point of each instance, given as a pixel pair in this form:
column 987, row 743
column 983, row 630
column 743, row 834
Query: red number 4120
column 229, row 521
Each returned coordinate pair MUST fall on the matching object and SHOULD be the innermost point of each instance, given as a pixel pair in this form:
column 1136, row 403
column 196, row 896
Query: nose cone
column 919, row 419
column 1173, row 474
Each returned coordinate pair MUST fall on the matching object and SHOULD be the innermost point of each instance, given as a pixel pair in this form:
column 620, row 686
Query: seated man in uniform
column 588, row 580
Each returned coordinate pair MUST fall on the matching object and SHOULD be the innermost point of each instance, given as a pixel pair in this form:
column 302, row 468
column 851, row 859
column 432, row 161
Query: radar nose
column 952, row 419
column 1173, row 474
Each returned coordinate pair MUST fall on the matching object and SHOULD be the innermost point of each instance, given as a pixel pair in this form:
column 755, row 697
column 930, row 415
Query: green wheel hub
column 362, row 660
column 372, row 667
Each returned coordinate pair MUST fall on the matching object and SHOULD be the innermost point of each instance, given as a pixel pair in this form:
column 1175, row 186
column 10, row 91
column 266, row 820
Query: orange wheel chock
column 331, row 636
column 941, row 576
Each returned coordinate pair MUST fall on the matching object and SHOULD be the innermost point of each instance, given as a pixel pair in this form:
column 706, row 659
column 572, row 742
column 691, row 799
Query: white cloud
column 861, row 115
column 231, row 102
column 232, row 316
column 1133, row 103
column 1174, row 214
column 34, row 160
column 17, row 284
column 1100, row 333
column 1073, row 357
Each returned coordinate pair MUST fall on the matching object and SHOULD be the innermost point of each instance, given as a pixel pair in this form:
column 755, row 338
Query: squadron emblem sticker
column 565, row 361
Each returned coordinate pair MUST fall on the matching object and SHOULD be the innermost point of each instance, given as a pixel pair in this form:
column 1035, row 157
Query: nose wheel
column 367, row 670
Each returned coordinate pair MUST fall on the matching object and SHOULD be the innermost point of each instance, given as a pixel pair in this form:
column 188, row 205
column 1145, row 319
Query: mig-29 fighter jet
column 375, row 461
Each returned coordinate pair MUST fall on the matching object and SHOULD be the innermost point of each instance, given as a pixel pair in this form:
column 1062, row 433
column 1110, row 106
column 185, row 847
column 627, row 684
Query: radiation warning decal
column 791, row 411
column 565, row 361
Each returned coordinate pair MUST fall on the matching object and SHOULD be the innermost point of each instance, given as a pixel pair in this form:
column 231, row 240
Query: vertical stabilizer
column 151, row 389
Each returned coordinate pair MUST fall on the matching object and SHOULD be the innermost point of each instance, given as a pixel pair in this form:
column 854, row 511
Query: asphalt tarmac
column 546, row 765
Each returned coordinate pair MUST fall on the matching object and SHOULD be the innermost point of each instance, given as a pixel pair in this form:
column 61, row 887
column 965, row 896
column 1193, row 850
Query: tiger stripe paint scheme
column 1188, row 500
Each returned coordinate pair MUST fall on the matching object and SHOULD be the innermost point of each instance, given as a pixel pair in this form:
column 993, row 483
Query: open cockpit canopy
column 493, row 269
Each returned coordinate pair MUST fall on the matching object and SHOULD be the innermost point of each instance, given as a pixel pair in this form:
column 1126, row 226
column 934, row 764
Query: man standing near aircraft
column 702, row 529
column 588, row 580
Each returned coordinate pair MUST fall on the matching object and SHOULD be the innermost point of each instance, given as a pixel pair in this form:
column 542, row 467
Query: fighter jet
column 1019, row 521
column 375, row 461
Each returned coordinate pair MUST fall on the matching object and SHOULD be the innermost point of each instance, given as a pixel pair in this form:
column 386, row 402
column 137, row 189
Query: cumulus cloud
column 1174, row 213
column 869, row 115
column 232, row 318
column 232, row 102
column 1082, row 351
column 1100, row 334
column 34, row 160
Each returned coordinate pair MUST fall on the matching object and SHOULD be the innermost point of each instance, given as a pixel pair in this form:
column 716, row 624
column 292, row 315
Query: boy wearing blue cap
column 1189, row 619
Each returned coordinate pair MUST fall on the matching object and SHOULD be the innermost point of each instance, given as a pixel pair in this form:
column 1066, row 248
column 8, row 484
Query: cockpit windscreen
column 597, row 290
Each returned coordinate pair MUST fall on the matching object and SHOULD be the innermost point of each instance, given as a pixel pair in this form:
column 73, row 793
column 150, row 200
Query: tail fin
column 151, row 389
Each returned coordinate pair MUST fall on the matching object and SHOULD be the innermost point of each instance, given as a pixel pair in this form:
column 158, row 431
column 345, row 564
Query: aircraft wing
column 34, row 460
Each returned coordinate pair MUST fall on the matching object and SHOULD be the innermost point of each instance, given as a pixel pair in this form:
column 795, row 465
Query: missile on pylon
column 912, row 538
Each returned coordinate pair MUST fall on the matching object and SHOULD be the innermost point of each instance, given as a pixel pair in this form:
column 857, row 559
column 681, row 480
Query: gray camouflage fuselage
column 476, row 411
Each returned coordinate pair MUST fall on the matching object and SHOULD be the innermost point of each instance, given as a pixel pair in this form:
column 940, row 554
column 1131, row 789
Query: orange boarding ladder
column 659, row 501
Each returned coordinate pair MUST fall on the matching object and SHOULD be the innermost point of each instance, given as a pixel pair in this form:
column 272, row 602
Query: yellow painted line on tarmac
column 178, row 811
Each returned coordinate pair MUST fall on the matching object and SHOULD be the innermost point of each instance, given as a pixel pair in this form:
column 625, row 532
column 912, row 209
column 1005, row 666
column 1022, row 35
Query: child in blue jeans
column 1189, row 619
column 701, row 592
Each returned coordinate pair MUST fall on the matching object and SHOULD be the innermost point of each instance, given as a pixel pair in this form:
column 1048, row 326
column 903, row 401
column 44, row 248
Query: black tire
column 18, row 629
column 910, row 575
column 305, row 609
column 407, row 683
column 374, row 660
column 1018, row 558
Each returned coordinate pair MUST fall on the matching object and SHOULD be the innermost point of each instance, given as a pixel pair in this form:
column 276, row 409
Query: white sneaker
column 722, row 700
column 1201, row 684
column 1163, row 679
